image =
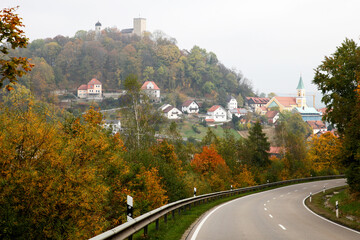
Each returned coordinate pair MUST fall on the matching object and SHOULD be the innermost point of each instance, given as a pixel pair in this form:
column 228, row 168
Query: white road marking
column 270, row 216
column 289, row 192
column 264, row 204
column 282, row 227
column 304, row 187
column 268, row 200
column 314, row 185
column 281, row 195
column 296, row 190
column 274, row 198
column 265, row 208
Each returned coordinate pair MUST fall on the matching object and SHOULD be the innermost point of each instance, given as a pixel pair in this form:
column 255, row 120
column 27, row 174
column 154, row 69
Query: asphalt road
column 275, row 214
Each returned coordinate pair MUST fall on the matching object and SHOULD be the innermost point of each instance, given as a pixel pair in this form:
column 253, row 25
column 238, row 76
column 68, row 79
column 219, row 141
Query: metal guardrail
column 127, row 229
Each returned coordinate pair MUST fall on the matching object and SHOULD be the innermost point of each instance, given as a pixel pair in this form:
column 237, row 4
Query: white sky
column 270, row 42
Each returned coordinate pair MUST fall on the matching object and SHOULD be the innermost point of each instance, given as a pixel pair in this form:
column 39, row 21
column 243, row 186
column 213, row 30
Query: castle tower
column 97, row 27
column 300, row 98
column 139, row 26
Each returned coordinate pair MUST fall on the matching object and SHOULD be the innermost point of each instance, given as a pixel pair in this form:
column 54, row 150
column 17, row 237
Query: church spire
column 301, row 84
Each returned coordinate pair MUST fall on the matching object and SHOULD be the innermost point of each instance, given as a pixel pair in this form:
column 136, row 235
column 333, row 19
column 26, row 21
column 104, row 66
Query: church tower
column 300, row 98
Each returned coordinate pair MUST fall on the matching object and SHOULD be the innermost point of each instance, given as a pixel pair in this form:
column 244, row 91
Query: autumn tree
column 325, row 153
column 11, row 36
column 338, row 78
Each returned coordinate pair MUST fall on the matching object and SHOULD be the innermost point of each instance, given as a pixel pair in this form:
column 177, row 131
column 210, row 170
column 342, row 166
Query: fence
column 127, row 229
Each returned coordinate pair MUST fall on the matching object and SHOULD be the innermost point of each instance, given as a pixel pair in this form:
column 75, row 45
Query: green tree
column 258, row 146
column 10, row 33
column 338, row 78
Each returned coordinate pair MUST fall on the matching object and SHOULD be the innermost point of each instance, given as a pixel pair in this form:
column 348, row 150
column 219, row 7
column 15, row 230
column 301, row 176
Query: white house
column 152, row 90
column 113, row 125
column 231, row 103
column 190, row 106
column 91, row 90
column 216, row 114
column 172, row 112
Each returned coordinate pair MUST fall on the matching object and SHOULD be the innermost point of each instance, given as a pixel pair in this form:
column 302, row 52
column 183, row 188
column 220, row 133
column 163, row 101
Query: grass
column 349, row 208
column 186, row 130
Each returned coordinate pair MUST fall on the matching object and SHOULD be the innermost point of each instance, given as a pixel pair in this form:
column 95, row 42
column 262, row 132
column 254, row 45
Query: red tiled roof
column 213, row 108
column 94, row 81
column 209, row 120
column 187, row 103
column 271, row 114
column 286, row 101
column 316, row 124
column 256, row 100
column 144, row 86
column 275, row 150
column 322, row 110
column 83, row 87
column 166, row 110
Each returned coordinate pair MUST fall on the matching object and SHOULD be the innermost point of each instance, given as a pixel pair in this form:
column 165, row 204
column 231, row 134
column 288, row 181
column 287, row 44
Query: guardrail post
column 337, row 209
column 130, row 237
column 173, row 214
column 165, row 218
column 146, row 230
column 157, row 224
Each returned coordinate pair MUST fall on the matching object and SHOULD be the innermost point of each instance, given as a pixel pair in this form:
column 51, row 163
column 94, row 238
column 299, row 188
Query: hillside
column 66, row 63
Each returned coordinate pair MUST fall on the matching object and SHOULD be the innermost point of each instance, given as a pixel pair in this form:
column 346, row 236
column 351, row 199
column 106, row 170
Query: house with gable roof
column 256, row 102
column 216, row 114
column 151, row 90
column 190, row 106
column 171, row 112
column 317, row 126
column 92, row 90
column 231, row 102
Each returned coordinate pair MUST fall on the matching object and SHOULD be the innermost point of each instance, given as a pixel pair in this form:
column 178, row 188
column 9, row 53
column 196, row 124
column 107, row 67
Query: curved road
column 275, row 214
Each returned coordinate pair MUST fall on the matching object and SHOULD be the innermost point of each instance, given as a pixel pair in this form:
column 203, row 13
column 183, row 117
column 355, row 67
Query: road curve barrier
column 126, row 230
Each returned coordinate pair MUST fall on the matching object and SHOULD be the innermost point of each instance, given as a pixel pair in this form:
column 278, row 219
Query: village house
column 190, row 106
column 256, row 102
column 272, row 116
column 317, row 126
column 113, row 125
column 151, row 90
column 238, row 112
column 231, row 103
column 216, row 114
column 92, row 90
column 171, row 112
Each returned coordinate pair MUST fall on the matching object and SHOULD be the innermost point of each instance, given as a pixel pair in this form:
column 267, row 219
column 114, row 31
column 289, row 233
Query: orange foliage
column 244, row 178
column 208, row 160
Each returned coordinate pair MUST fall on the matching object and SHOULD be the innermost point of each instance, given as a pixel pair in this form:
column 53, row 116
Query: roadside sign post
column 337, row 209
column 194, row 191
column 130, row 209
column 310, row 197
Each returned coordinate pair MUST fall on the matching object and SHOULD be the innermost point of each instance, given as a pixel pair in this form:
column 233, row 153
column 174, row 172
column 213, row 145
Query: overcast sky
column 270, row 42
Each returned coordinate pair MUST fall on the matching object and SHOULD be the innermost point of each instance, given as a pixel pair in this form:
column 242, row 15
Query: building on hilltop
column 139, row 27
column 151, row 90
column 92, row 90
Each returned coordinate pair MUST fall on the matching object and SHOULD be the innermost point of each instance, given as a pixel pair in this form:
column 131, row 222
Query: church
column 296, row 104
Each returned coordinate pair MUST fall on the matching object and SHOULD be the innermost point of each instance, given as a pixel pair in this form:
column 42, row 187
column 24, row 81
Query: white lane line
column 304, row 187
column 281, row 195
column 289, row 192
column 295, row 190
column 270, row 216
column 274, row 198
column 268, row 200
column 352, row 230
column 264, row 204
column 282, row 227
column 265, row 208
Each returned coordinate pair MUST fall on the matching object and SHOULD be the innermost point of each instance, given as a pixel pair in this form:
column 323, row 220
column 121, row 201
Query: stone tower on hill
column 139, row 26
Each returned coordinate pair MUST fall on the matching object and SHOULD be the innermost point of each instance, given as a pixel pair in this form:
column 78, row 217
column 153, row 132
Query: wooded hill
column 66, row 63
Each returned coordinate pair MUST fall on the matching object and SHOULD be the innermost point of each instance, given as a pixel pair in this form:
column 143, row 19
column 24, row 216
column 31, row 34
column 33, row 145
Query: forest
column 66, row 63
